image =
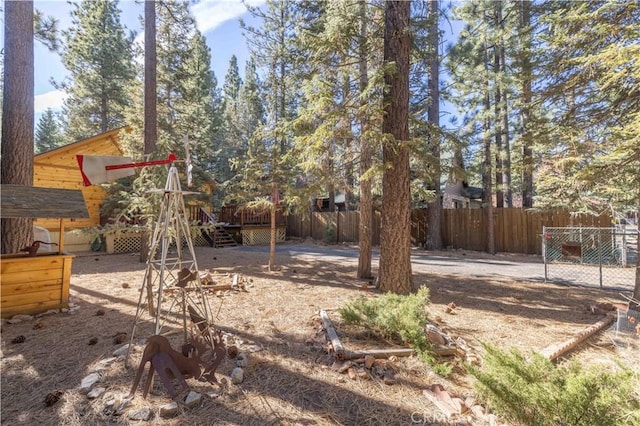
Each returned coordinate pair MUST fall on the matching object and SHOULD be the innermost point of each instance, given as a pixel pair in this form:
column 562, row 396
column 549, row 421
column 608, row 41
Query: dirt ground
column 289, row 379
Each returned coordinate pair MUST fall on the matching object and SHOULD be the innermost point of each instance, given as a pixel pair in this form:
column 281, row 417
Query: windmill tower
column 171, row 292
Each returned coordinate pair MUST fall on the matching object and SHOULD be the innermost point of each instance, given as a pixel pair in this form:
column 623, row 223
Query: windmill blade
column 94, row 168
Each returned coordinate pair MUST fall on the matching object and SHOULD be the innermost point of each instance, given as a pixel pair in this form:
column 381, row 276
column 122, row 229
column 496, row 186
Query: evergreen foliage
column 535, row 392
column 396, row 317
column 48, row 135
column 188, row 114
column 591, row 155
column 98, row 55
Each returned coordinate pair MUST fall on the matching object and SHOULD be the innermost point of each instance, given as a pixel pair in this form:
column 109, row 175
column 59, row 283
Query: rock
column 19, row 318
column 121, row 351
column 242, row 360
column 255, row 348
column 38, row 325
column 144, row 414
column 88, row 382
column 92, row 341
column 106, row 362
column 237, row 375
column 434, row 335
column 116, row 405
column 193, row 399
column 169, row 410
column 96, row 393
column 49, row 312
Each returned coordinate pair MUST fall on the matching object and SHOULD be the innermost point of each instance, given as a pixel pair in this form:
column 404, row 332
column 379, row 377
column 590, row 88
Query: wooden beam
column 30, row 201
column 338, row 349
column 554, row 351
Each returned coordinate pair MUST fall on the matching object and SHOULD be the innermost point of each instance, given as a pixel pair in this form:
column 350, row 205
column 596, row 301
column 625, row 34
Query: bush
column 536, row 392
column 396, row 317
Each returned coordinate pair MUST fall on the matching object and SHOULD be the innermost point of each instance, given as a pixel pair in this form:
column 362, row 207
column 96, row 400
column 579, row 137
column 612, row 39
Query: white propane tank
column 42, row 234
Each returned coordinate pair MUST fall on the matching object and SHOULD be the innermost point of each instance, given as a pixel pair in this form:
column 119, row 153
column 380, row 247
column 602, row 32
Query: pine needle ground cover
column 290, row 380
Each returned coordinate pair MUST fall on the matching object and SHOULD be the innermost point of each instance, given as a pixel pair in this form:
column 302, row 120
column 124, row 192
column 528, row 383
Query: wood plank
column 18, row 263
column 30, row 278
column 66, row 280
column 30, row 298
column 29, row 201
column 24, row 287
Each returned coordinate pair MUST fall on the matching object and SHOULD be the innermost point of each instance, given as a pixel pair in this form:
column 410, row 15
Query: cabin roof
column 83, row 143
column 18, row 201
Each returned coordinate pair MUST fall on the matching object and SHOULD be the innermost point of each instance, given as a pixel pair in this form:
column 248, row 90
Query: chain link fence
column 591, row 256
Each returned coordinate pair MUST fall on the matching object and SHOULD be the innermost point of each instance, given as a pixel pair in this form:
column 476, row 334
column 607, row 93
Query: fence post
column 600, row 253
column 544, row 251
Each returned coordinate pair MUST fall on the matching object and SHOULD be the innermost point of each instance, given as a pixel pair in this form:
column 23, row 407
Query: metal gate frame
column 602, row 247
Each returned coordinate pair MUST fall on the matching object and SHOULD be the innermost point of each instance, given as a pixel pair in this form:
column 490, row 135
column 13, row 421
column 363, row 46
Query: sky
column 218, row 20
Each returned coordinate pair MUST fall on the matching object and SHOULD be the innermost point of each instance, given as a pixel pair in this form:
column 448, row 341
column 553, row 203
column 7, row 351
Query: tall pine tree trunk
column 505, row 155
column 497, row 14
column 395, row 238
column 366, row 201
column 525, row 109
column 434, row 230
column 487, row 185
column 17, row 116
column 150, row 101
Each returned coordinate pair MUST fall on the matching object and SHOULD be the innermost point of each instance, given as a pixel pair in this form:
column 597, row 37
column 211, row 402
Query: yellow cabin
column 59, row 169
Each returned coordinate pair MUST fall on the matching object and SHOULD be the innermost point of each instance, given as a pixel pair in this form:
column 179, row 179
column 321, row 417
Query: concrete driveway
column 463, row 263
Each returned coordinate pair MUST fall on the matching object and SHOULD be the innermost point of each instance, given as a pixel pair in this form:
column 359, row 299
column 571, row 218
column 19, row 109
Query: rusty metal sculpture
column 33, row 248
column 169, row 364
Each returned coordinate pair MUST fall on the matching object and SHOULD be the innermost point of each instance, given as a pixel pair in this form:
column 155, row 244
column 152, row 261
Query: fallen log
column 377, row 353
column 554, row 351
column 338, row 348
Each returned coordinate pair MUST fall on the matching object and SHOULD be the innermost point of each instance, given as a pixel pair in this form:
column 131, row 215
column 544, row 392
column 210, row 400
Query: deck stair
column 219, row 237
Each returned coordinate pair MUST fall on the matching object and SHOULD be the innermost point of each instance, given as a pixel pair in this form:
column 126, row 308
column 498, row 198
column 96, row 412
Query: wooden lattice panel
column 262, row 236
column 130, row 242
column 126, row 243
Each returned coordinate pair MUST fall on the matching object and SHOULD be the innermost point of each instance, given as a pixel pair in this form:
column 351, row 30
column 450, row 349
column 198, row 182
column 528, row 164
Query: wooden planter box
column 31, row 285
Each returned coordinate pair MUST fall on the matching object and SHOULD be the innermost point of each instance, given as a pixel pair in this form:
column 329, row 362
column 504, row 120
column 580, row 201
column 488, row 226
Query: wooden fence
column 515, row 230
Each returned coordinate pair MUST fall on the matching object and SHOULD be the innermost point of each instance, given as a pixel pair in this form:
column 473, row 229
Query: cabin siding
column 59, row 169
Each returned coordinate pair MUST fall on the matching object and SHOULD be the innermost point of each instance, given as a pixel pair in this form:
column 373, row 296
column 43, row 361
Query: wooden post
column 61, row 237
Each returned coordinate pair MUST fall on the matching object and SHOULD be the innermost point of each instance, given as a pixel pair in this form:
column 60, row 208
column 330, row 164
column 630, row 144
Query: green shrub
column 399, row 317
column 536, row 392
column 330, row 234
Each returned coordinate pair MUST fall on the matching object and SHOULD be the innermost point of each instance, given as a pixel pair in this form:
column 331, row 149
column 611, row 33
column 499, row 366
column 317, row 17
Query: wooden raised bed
column 35, row 284
column 31, row 285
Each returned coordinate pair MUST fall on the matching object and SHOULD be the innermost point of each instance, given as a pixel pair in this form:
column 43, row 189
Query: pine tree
column 18, row 115
column 269, row 167
column 250, row 106
column 593, row 154
column 231, row 139
column 98, row 55
column 395, row 237
column 47, row 134
column 187, row 105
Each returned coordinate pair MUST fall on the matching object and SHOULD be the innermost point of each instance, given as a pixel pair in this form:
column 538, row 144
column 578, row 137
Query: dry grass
column 290, row 381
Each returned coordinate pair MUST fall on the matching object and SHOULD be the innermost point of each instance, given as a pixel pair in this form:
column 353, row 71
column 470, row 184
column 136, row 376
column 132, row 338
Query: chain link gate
column 592, row 256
